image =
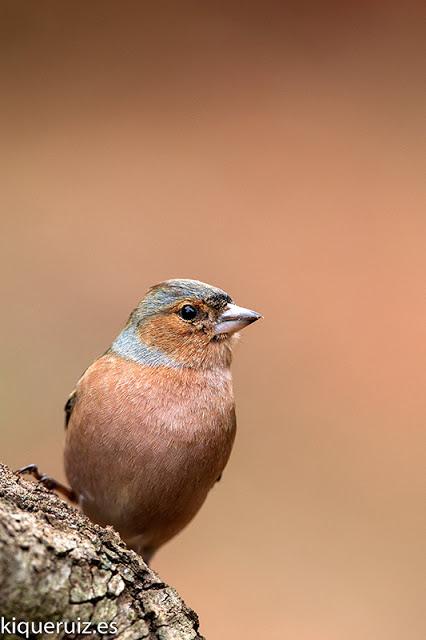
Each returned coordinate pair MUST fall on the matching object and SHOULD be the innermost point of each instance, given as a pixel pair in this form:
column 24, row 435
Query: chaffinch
column 151, row 423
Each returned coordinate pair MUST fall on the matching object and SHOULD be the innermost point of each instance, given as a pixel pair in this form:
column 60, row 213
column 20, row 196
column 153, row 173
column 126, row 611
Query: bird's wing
column 69, row 406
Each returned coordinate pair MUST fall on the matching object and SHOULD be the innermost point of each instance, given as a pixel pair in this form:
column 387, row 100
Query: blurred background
column 277, row 152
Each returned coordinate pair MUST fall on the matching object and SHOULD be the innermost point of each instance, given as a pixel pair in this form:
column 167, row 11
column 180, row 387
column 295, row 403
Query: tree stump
column 57, row 566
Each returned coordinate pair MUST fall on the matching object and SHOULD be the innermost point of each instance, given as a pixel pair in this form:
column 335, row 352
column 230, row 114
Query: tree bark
column 56, row 565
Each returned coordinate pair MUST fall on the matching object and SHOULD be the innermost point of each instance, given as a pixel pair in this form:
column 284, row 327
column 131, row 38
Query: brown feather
column 145, row 445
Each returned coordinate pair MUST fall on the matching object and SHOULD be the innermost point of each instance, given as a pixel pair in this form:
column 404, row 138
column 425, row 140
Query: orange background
column 277, row 153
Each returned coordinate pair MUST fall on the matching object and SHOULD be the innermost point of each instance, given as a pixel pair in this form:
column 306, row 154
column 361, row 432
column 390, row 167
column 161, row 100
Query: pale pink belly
column 143, row 455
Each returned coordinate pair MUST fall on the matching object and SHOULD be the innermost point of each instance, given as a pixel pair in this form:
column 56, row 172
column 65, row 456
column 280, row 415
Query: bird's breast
column 148, row 439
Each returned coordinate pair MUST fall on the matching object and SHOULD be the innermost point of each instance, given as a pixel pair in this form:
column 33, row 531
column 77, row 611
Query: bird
column 151, row 423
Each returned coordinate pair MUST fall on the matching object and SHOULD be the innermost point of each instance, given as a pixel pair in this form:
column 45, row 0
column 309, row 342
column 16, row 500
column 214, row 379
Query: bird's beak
column 235, row 318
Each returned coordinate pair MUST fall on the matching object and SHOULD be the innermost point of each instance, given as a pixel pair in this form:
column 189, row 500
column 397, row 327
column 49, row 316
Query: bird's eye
column 188, row 312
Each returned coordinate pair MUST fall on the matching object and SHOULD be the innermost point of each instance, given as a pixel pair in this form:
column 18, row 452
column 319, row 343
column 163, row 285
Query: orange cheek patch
column 167, row 333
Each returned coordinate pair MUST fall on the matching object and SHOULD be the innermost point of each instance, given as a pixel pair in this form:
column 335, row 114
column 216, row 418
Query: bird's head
column 184, row 323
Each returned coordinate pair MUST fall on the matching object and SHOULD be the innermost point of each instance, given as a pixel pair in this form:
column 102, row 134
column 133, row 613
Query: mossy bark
column 56, row 565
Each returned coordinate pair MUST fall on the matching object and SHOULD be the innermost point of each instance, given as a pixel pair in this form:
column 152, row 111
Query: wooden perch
column 56, row 565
